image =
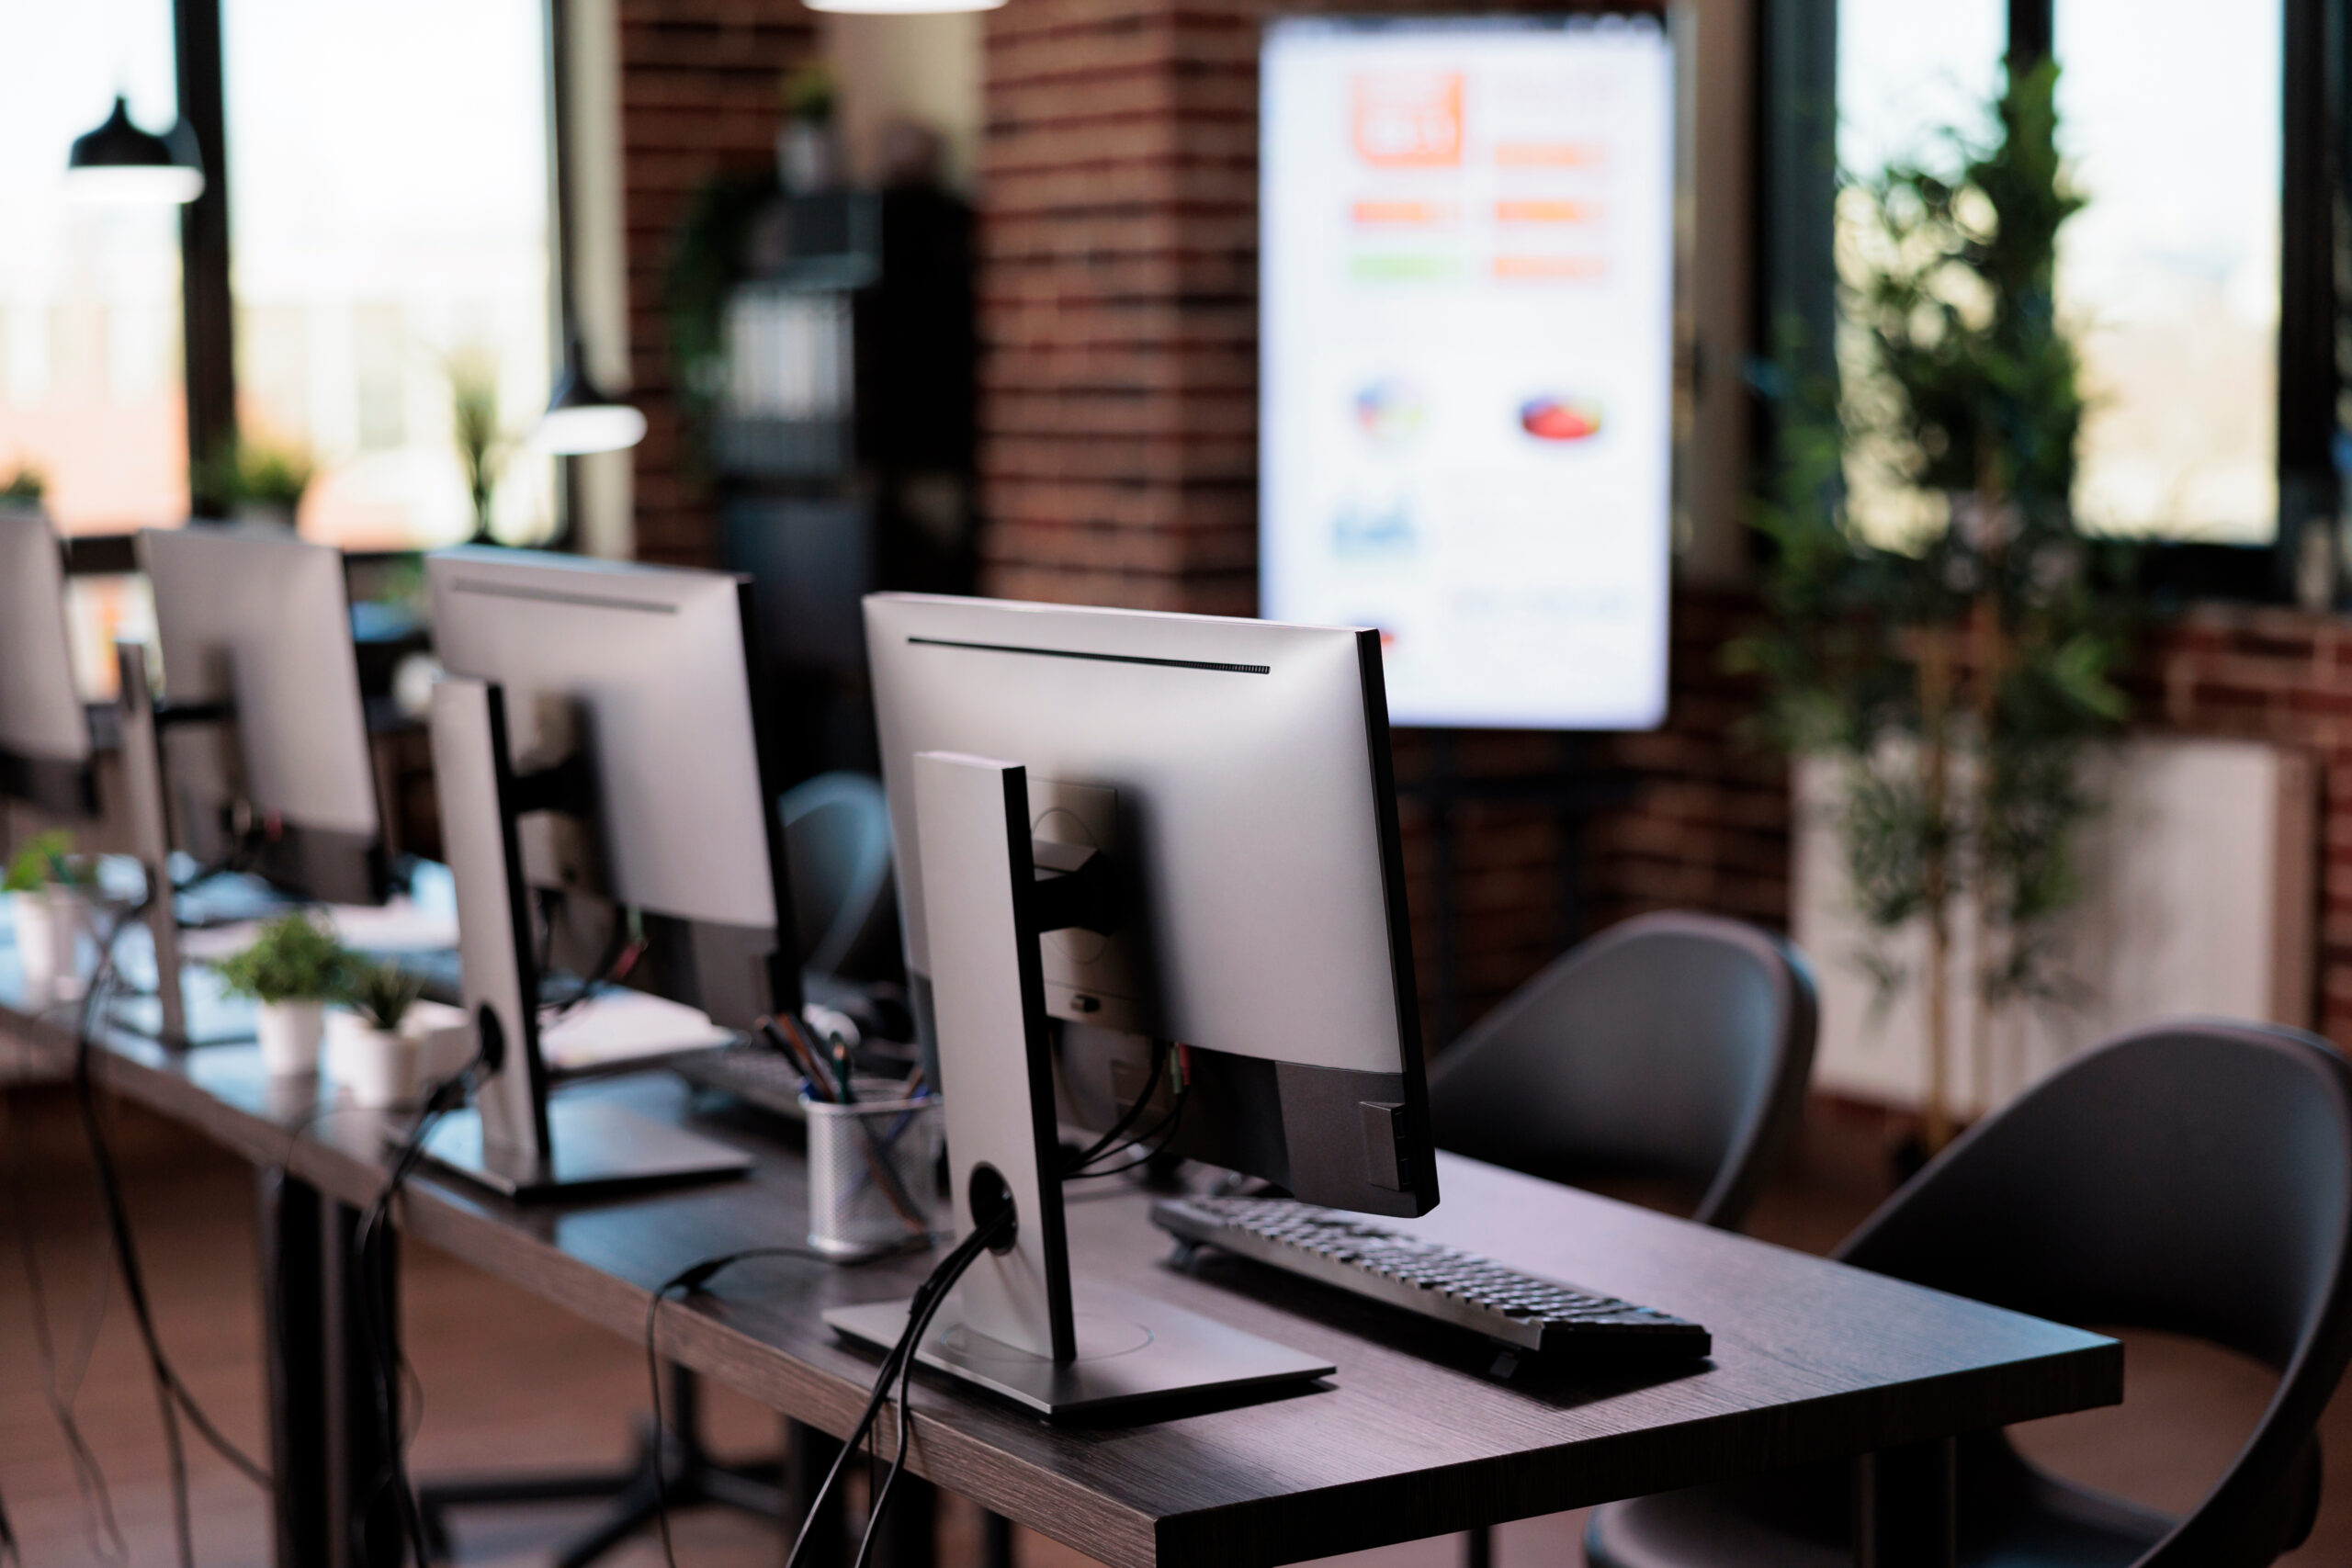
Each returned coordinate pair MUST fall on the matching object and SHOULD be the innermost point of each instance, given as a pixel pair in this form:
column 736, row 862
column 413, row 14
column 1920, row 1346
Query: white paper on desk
column 396, row 926
column 621, row 1025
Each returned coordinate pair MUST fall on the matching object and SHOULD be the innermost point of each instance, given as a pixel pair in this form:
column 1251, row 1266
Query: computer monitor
column 1205, row 808
column 636, row 779
column 45, row 759
column 263, row 727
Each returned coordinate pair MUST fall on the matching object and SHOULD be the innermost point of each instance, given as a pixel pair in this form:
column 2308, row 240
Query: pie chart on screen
column 1548, row 418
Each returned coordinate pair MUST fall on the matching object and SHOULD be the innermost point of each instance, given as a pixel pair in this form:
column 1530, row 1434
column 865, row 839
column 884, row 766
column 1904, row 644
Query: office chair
column 2191, row 1176
column 837, row 842
column 1673, row 1045
column 837, row 839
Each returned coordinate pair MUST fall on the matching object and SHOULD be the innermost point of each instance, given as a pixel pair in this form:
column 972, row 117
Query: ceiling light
column 119, row 164
column 581, row 419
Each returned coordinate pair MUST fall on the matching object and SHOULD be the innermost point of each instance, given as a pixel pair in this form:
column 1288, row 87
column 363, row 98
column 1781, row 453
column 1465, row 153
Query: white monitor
column 1467, row 357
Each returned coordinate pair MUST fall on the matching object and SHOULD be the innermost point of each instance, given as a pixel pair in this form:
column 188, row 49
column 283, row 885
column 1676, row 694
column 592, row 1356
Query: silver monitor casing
column 642, row 669
column 638, row 678
column 259, row 618
column 1237, row 774
column 40, row 712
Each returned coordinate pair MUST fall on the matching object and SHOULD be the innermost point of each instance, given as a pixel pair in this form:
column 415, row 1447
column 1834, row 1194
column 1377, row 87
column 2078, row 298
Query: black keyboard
column 1427, row 1277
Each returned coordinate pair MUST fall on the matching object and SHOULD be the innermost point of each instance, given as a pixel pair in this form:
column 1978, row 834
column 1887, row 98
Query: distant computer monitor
column 629, row 701
column 1237, row 773
column 264, row 738
column 44, row 730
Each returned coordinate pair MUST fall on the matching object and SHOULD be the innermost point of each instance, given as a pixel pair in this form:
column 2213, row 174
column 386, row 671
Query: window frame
column 1796, row 71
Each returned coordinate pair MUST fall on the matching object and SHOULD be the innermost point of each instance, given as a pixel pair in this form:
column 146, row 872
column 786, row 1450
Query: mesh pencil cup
column 871, row 1171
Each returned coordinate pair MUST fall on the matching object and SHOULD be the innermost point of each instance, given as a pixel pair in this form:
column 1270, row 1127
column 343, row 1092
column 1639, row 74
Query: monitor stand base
column 1132, row 1349
column 599, row 1149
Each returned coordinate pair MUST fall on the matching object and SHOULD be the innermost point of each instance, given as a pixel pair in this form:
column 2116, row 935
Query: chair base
column 688, row 1476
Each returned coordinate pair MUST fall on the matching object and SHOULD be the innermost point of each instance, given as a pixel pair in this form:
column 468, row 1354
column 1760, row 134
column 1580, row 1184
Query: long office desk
column 1414, row 1436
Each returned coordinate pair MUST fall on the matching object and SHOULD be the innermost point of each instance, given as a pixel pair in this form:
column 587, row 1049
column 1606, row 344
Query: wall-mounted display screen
column 1466, row 357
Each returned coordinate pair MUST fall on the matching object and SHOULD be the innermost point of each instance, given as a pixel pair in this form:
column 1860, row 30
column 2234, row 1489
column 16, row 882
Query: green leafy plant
column 26, row 486
column 809, row 93
column 47, row 860
column 483, row 445
column 295, row 959
column 257, row 473
column 380, row 994
column 1957, row 660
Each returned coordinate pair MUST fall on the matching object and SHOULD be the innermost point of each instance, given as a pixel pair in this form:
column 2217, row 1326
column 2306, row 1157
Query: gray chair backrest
column 837, row 839
column 2192, row 1177
column 1673, row 1045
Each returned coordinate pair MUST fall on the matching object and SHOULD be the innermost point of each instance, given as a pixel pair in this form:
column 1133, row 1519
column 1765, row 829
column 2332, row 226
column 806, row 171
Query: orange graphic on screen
column 1409, row 119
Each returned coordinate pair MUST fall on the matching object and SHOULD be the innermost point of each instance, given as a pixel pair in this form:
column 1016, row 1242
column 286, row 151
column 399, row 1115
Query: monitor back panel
column 259, row 618
column 40, row 713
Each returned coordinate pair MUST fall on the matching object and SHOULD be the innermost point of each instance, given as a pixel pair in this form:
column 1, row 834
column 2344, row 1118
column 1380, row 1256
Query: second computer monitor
column 265, row 751
column 44, row 731
column 633, row 721
column 1237, row 775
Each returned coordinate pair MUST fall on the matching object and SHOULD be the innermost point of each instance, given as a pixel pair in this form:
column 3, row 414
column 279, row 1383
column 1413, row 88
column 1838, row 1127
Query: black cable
column 371, row 1281
column 172, row 1398
column 1165, row 1130
column 1102, row 1145
column 99, row 1526
column 693, row 1278
column 919, row 1314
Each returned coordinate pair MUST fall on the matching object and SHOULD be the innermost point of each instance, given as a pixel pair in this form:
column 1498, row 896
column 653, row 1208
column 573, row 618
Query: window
column 2172, row 120
column 91, row 391
column 2170, row 116
column 388, row 227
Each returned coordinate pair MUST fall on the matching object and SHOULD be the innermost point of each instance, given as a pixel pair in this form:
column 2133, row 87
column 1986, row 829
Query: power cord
column 692, row 1279
column 100, row 1528
column 172, row 1398
column 371, row 1283
column 898, row 1363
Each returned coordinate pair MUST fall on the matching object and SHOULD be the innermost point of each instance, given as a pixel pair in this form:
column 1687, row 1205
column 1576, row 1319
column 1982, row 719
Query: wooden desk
column 1813, row 1360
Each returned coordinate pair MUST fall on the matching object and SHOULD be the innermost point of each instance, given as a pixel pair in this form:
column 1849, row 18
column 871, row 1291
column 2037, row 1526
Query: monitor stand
column 512, row 1140
column 1014, row 1324
column 144, row 722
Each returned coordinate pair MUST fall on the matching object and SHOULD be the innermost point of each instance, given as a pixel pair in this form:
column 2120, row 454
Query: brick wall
column 698, row 94
column 1118, row 465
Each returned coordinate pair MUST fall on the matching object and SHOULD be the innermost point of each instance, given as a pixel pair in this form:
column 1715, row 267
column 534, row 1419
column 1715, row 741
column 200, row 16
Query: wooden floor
column 509, row 1382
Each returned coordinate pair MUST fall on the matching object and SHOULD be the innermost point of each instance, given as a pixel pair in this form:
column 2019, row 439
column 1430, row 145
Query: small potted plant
column 370, row 1051
column 51, row 887
column 292, row 969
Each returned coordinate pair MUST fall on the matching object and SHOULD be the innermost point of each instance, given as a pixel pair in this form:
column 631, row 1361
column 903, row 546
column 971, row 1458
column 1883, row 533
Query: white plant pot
column 376, row 1067
column 48, row 930
column 289, row 1034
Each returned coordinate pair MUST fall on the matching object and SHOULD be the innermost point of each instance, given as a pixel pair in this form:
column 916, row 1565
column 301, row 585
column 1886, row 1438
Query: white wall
column 2198, row 899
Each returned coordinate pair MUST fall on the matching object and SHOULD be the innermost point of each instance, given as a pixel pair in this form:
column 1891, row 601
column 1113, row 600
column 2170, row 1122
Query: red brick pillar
column 699, row 94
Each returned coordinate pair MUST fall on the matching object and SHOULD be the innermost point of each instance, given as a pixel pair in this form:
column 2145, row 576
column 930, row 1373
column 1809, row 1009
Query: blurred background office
column 971, row 303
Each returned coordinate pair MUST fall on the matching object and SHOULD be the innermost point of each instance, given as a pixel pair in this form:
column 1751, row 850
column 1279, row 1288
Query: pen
column 841, row 1069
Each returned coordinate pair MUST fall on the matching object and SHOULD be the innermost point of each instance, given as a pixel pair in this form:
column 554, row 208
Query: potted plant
column 262, row 483
column 52, row 889
column 1941, row 630
column 482, row 443
column 370, row 1051
column 292, row 969
column 23, row 490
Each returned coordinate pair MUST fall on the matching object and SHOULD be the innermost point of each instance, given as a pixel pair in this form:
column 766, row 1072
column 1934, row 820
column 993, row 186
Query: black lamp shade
column 118, row 161
column 580, row 418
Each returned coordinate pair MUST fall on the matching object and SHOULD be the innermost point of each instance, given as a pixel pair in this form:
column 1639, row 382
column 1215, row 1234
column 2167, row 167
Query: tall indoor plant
column 1957, row 657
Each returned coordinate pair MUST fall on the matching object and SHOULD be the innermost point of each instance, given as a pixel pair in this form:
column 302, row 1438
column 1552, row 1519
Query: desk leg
column 294, row 1362
column 808, row 1453
column 910, row 1534
column 364, row 1515
column 1904, row 1507
column 996, row 1542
